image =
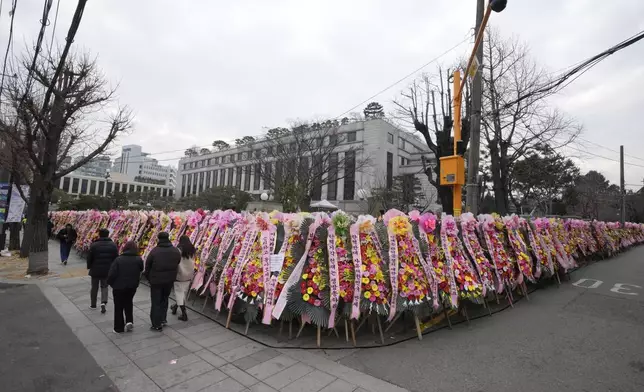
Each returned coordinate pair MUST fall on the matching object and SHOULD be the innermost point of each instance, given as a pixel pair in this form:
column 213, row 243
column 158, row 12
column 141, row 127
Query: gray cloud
column 201, row 70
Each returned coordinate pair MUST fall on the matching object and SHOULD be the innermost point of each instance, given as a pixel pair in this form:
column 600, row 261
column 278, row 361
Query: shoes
column 158, row 329
column 103, row 310
column 115, row 331
column 164, row 323
column 129, row 327
column 92, row 307
column 173, row 308
column 184, row 315
column 65, row 262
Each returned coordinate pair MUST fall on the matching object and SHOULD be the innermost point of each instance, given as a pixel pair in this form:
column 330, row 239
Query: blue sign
column 4, row 196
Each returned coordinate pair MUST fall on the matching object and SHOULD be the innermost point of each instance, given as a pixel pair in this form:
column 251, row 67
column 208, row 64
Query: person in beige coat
column 184, row 276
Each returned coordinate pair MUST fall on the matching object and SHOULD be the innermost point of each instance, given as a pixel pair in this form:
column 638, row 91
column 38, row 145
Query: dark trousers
column 123, row 306
column 159, row 294
column 65, row 249
column 94, row 291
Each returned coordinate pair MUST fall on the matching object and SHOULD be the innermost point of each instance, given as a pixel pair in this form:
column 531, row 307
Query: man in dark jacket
column 161, row 271
column 102, row 254
column 67, row 238
column 124, row 278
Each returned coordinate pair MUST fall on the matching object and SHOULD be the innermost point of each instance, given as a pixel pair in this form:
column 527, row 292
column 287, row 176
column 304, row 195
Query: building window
column 83, row 190
column 222, row 177
column 401, row 143
column 131, row 188
column 257, row 153
column 256, row 173
column 66, row 184
column 138, row 188
column 208, row 174
column 332, row 187
column 109, row 188
column 239, row 156
column 351, row 136
column 238, row 177
column 333, row 140
column 216, row 160
column 390, row 138
column 201, row 177
column 349, row 175
column 317, row 167
column 92, row 187
column 268, row 173
column 390, row 170
column 230, row 176
column 404, row 161
column 269, row 151
column 101, row 187
column 247, row 178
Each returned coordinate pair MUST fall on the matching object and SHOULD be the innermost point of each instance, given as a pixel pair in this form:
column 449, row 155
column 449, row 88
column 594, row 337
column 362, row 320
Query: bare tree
column 406, row 193
column 512, row 129
column 427, row 107
column 54, row 109
column 296, row 163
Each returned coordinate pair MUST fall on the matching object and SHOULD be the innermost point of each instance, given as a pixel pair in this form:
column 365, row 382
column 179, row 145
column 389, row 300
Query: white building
column 391, row 152
column 96, row 167
column 78, row 185
column 137, row 164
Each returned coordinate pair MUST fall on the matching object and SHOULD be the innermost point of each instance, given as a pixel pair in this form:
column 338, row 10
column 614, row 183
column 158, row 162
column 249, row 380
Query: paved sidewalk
column 198, row 355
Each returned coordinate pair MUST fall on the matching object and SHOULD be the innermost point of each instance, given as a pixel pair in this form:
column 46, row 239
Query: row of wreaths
column 323, row 268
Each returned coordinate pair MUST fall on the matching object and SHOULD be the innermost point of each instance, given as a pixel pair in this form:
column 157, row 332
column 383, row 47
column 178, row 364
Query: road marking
column 620, row 288
column 596, row 283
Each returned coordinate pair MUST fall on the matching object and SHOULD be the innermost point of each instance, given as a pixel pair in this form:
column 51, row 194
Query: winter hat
column 164, row 236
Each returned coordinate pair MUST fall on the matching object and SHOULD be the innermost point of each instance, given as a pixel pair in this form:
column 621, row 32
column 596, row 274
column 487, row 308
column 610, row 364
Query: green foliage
column 244, row 141
column 220, row 197
column 220, row 145
column 541, row 177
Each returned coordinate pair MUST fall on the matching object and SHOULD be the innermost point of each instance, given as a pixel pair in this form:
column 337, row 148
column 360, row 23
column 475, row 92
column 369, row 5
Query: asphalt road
column 566, row 338
column 38, row 350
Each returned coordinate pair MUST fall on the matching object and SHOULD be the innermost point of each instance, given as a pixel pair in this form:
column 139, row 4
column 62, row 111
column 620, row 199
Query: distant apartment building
column 137, row 165
column 390, row 151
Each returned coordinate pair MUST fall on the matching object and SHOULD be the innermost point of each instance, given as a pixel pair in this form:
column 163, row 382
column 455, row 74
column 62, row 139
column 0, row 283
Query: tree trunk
column 445, row 196
column 35, row 239
column 14, row 236
column 497, row 181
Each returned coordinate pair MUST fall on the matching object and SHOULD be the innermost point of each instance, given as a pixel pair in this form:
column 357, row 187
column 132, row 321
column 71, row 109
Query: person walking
column 67, row 238
column 124, row 276
column 102, row 254
column 184, row 275
column 161, row 271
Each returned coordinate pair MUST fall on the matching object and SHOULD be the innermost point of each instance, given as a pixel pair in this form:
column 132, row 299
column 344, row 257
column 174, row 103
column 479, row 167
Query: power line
column 604, row 157
column 405, row 77
column 609, row 149
column 53, row 31
column 560, row 83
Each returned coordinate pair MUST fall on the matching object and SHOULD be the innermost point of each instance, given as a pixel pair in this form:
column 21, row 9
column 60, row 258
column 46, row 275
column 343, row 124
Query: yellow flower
column 374, row 287
column 379, row 275
column 363, row 267
column 309, row 290
column 305, row 297
column 367, row 294
column 343, row 293
column 253, row 294
column 365, row 281
column 377, row 294
column 468, row 279
column 430, row 237
column 316, row 279
column 305, row 276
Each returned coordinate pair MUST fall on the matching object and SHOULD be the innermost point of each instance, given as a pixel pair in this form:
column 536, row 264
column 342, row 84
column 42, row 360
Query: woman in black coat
column 124, row 276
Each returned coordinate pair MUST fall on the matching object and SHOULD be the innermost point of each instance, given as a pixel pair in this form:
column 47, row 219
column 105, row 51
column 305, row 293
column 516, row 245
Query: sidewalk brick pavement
column 198, row 355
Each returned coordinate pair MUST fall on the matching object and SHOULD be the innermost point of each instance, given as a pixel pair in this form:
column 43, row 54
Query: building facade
column 137, row 164
column 389, row 151
column 96, row 167
column 82, row 185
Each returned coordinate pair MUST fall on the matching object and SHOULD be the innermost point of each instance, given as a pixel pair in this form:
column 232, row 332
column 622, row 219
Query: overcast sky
column 197, row 71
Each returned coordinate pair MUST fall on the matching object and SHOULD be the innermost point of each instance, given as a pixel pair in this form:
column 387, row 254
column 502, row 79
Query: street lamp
column 453, row 167
column 263, row 197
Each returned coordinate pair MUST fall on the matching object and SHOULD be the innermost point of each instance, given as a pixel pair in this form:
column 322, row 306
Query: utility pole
column 622, row 184
column 453, row 166
column 472, row 196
